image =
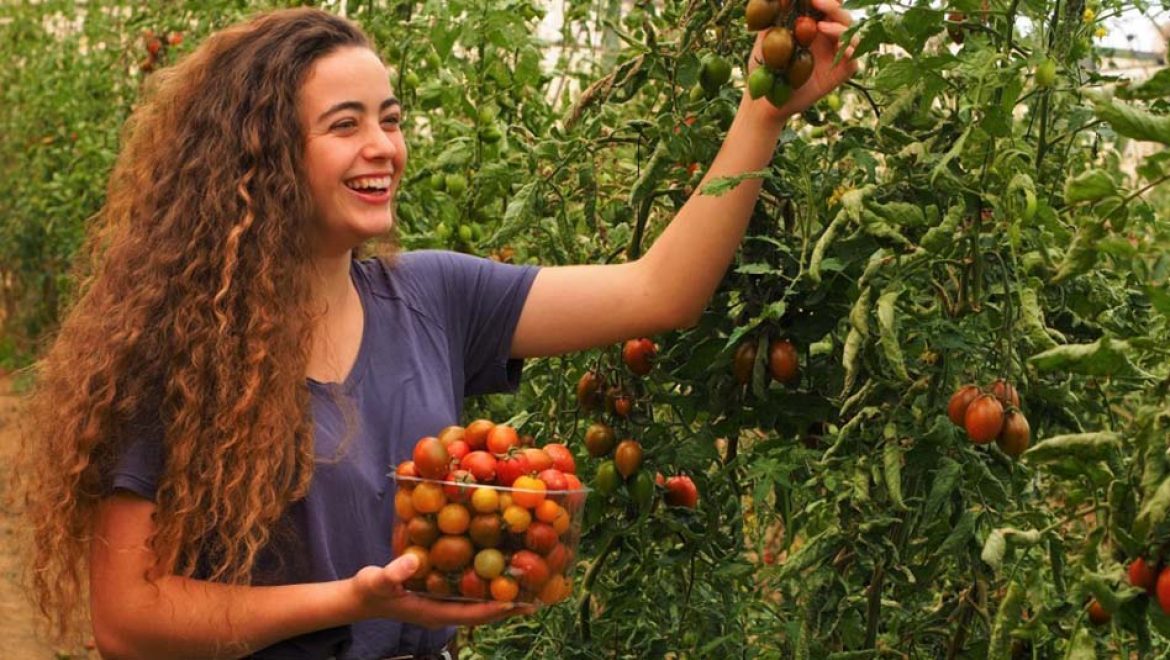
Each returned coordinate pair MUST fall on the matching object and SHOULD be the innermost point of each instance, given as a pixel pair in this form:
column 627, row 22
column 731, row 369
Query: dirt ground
column 17, row 638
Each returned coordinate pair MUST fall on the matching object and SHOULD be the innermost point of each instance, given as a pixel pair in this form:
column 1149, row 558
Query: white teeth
column 369, row 183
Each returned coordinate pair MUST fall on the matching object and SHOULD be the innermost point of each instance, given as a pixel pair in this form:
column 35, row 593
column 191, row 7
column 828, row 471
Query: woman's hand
column 825, row 76
column 379, row 593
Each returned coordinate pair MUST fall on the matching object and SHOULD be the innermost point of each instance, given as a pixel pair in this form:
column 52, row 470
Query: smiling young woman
column 212, row 425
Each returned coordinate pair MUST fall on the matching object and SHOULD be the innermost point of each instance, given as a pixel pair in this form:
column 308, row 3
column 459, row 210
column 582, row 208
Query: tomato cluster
column 488, row 517
column 991, row 414
column 787, row 62
column 783, row 363
column 1154, row 579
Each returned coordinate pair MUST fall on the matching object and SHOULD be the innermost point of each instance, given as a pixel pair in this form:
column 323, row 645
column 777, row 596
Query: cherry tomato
column 407, row 469
column 984, row 419
column 422, row 531
column 529, row 492
column 437, row 584
column 475, row 435
column 744, row 361
column 554, row 514
column 454, row 519
column 489, row 563
column 1162, row 588
column 539, row 460
column 1141, row 575
column 783, row 362
column 642, row 490
column 761, row 13
column 558, row 558
column 1015, row 435
column 517, row 518
column 450, row 434
column 540, row 537
column 431, row 458
column 424, row 561
column 957, row 407
column 504, row 589
column 459, row 485
column 451, row 553
column 511, row 468
column 481, row 465
column 562, row 458
column 681, row 491
column 471, row 585
column 457, row 450
column 554, row 479
column 805, row 30
column 428, row 497
column 486, row 529
column 529, row 568
column 501, row 438
column 627, row 458
column 1006, row 393
column 607, row 479
column 485, row 500
column 398, row 539
column 590, row 391
column 404, row 505
column 599, row 439
column 638, row 355
column 1098, row 615
column 555, row 590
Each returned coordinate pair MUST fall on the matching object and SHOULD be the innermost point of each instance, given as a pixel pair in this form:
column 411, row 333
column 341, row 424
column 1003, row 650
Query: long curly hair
column 193, row 318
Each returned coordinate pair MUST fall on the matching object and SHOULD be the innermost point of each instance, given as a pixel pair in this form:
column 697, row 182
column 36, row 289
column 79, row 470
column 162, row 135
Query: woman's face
column 354, row 149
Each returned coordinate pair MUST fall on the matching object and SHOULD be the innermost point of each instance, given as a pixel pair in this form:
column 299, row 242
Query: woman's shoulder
column 405, row 272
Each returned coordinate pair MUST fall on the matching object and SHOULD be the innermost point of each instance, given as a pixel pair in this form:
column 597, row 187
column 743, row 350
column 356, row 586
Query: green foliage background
column 953, row 222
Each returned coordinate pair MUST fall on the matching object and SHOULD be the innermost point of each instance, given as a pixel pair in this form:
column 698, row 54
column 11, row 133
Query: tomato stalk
column 583, row 607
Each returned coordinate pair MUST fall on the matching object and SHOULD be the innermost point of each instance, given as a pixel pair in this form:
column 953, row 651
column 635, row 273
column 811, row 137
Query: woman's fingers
column 466, row 614
column 400, row 570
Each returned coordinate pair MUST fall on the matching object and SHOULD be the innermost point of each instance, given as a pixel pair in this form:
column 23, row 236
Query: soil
column 18, row 638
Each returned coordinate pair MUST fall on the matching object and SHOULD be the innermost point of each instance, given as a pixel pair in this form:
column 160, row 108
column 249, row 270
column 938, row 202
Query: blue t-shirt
column 438, row 327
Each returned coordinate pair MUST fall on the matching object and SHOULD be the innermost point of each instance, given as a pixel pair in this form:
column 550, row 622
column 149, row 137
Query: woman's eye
column 392, row 120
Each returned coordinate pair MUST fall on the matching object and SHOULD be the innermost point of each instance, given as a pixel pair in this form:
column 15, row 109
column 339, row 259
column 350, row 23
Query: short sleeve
column 481, row 301
column 140, row 466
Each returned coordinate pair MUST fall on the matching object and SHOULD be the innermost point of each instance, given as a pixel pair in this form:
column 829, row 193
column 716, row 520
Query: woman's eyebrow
column 358, row 106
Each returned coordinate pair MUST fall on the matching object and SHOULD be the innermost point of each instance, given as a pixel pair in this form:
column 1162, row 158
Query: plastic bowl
column 483, row 542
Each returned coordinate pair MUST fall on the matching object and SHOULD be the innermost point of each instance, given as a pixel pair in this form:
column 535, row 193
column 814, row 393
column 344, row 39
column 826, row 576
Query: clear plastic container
column 483, row 542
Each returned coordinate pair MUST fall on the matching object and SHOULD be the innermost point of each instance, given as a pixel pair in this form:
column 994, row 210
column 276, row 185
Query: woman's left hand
column 826, row 75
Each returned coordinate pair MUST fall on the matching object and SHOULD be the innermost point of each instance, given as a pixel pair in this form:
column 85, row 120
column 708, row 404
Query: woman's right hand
column 380, row 593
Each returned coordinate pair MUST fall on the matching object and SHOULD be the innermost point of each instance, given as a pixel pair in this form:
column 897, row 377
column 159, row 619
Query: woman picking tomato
column 212, row 426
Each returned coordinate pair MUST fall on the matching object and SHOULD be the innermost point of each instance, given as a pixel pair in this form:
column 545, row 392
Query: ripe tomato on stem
column 957, row 406
column 638, row 355
column 783, row 363
column 1141, row 575
column 681, row 491
column 984, row 419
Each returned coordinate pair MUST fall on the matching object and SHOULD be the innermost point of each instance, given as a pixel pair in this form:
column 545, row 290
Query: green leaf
column 1088, row 187
column 1104, row 357
column 1096, row 446
column 1130, row 121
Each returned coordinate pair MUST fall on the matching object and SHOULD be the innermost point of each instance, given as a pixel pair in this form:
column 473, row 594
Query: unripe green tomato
column 833, row 101
column 465, row 234
column 760, row 82
column 641, row 489
column 442, row 231
column 410, row 80
column 438, row 181
column 491, row 134
column 607, row 479
column 780, row 93
column 697, row 93
column 1046, row 73
column 714, row 74
column 456, row 184
column 487, row 113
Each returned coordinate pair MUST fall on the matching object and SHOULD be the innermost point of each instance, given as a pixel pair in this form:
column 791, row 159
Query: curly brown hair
column 193, row 319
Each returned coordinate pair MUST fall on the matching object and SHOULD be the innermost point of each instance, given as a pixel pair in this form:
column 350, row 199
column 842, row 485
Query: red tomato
column 681, row 491
column 481, row 465
column 805, row 30
column 486, row 529
column 1098, row 615
column 450, row 434
column 1141, row 575
column 407, row 469
column 461, row 486
column 627, row 457
column 957, row 406
column 1163, row 589
column 638, row 354
column 437, row 584
column 540, row 537
column 431, row 458
column 451, row 553
column 509, row 469
column 539, row 460
column 554, row 479
column 475, row 435
column 529, row 568
column 558, row 558
column 457, row 450
column 1006, row 393
column 472, row 585
column 502, row 438
column 783, row 362
column 984, row 419
column 562, row 458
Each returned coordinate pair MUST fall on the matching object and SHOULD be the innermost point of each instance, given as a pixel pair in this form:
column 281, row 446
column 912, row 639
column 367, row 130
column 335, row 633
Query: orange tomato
column 504, row 589
column 529, row 492
column 428, row 497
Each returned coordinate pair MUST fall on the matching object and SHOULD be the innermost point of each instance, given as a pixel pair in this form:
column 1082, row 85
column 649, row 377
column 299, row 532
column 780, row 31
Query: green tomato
column 780, row 93
column 833, row 101
column 760, row 82
column 456, row 184
column 410, row 80
column 607, row 479
column 714, row 74
column 466, row 234
column 442, row 231
column 437, row 181
column 641, row 489
column 1046, row 73
column 491, row 134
